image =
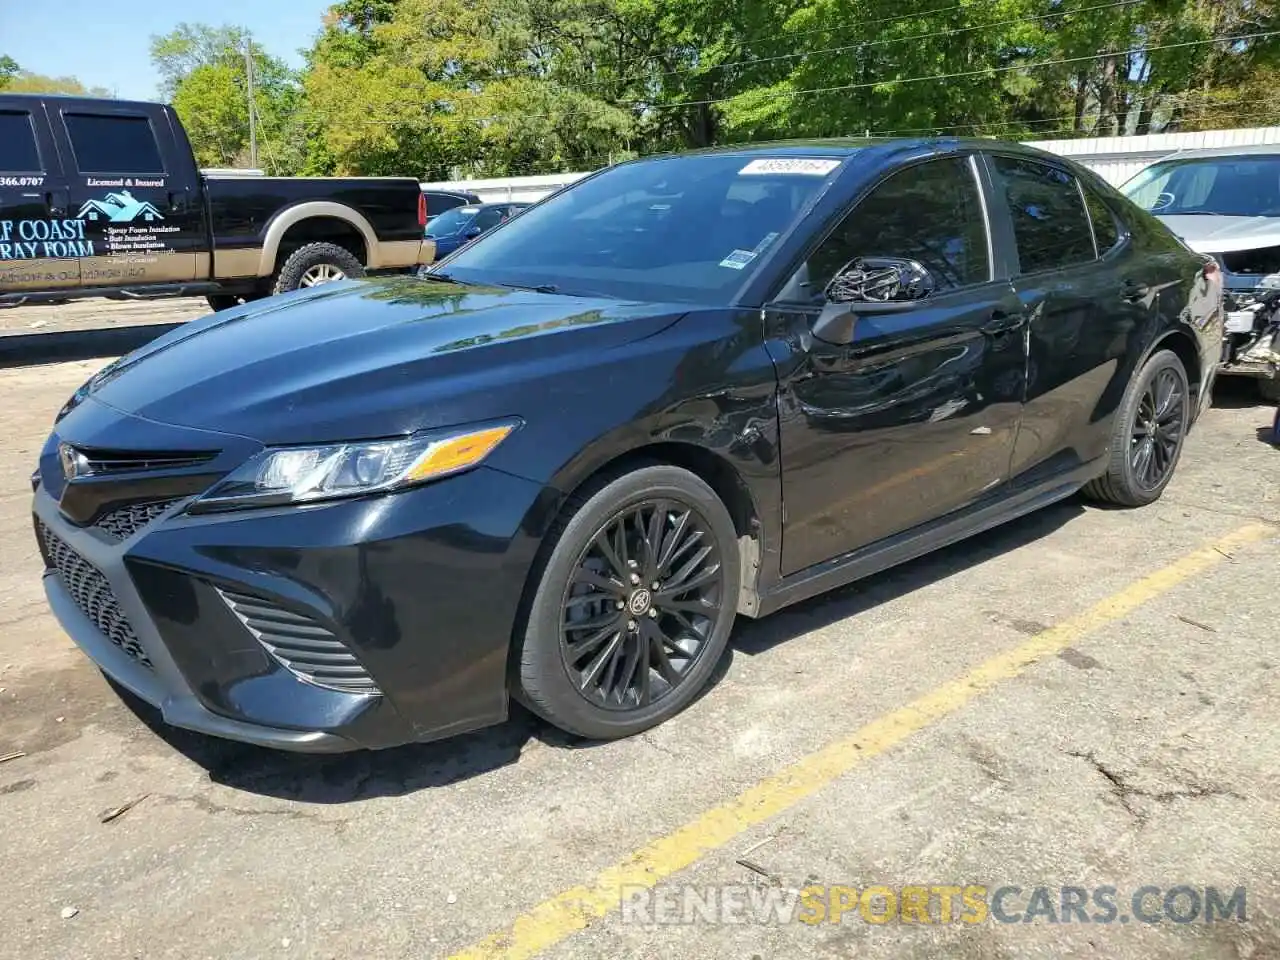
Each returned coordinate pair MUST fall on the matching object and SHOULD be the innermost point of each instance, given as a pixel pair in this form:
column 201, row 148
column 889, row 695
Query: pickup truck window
column 114, row 144
column 18, row 153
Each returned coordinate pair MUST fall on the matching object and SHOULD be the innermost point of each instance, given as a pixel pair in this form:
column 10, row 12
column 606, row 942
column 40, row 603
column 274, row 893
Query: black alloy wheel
column 641, row 604
column 1150, row 427
column 1158, row 428
column 632, row 606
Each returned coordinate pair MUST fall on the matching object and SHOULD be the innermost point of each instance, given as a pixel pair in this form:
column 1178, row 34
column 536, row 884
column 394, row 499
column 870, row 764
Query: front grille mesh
column 93, row 595
column 302, row 646
column 123, row 522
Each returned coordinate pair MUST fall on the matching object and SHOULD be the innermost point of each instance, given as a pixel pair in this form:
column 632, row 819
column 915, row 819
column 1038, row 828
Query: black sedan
column 560, row 465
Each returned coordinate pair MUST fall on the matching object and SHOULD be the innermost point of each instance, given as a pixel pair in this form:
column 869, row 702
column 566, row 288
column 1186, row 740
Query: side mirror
column 472, row 233
column 880, row 280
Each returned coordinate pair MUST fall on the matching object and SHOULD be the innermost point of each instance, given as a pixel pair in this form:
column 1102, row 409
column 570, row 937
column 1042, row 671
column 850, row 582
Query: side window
column 490, row 218
column 930, row 213
column 1049, row 220
column 18, row 153
column 114, row 144
column 1105, row 230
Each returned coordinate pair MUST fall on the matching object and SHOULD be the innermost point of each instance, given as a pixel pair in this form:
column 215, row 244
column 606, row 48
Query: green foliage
column 8, row 70
column 442, row 89
column 205, row 72
column 23, row 81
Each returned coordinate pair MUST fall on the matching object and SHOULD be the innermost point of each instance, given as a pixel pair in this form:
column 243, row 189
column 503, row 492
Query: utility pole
column 253, row 114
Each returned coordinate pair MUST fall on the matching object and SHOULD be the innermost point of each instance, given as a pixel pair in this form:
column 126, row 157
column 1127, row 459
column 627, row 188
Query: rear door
column 1085, row 308
column 39, row 242
column 128, row 184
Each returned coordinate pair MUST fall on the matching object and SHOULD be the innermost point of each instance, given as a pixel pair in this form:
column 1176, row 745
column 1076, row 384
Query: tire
column 222, row 301
column 1132, row 479
column 1269, row 390
column 556, row 686
column 312, row 261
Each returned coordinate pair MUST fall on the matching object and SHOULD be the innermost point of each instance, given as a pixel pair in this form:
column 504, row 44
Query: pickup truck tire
column 222, row 301
column 314, row 264
column 1270, row 389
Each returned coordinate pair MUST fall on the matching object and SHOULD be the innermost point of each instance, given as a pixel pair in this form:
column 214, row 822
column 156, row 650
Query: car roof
column 1235, row 151
column 844, row 147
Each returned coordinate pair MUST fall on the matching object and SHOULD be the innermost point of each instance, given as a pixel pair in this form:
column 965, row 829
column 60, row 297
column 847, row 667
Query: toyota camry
column 560, row 464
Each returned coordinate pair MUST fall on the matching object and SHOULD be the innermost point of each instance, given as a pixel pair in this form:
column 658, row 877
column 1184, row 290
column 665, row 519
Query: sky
column 107, row 44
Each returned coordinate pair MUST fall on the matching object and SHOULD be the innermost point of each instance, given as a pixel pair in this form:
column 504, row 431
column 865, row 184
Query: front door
column 39, row 244
column 1089, row 303
column 128, row 186
column 916, row 417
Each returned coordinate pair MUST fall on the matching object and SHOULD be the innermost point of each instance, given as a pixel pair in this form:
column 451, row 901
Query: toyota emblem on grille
column 74, row 463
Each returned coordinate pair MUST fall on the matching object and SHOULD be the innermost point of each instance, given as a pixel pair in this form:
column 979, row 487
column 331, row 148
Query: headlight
column 304, row 474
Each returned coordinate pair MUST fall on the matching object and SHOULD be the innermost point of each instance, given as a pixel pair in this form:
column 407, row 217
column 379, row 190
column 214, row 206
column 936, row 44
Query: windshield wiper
column 533, row 288
column 441, row 278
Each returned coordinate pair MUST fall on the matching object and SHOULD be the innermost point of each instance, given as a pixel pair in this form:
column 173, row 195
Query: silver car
column 1226, row 202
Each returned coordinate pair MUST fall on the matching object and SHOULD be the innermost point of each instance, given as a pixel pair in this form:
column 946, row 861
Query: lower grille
column 302, row 646
column 93, row 595
column 124, row 522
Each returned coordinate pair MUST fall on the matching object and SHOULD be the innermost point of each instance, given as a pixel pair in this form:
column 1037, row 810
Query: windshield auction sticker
column 800, row 166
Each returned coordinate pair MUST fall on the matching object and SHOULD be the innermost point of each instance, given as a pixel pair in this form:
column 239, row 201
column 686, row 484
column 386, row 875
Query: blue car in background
column 461, row 225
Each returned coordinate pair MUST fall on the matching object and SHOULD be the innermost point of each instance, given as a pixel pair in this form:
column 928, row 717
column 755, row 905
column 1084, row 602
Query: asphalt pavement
column 1083, row 701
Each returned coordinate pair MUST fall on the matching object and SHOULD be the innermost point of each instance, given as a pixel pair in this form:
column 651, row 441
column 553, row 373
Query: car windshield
column 450, row 222
column 682, row 228
column 1240, row 186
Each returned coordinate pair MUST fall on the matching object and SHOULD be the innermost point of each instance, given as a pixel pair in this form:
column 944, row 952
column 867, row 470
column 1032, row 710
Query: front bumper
column 419, row 589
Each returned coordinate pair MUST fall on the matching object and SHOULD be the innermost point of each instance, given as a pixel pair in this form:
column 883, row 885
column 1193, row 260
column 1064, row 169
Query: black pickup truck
column 104, row 198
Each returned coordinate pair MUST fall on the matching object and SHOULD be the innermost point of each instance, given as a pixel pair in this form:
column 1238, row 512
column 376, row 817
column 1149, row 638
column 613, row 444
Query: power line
column 884, row 41
column 956, row 76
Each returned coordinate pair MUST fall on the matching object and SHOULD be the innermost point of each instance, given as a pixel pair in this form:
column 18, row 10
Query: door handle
column 1131, row 291
column 1002, row 323
column 52, row 205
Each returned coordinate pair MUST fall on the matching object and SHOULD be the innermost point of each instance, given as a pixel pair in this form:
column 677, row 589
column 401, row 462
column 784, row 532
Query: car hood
column 1214, row 234
column 369, row 358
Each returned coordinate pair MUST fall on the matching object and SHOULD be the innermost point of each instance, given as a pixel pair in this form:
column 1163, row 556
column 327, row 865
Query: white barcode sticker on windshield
column 738, row 259
column 802, row 166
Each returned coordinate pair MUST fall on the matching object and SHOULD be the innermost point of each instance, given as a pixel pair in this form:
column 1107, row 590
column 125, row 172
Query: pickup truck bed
column 103, row 198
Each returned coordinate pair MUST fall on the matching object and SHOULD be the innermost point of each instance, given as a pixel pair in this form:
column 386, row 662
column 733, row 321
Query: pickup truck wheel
column 633, row 606
column 222, row 301
column 1270, row 389
column 1146, row 442
column 316, row 264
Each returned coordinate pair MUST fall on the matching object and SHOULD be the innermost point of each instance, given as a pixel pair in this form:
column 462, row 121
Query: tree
column 204, row 73
column 26, row 82
column 8, row 70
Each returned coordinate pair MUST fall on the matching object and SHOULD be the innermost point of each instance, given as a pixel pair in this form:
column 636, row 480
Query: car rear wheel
column 1151, row 426
column 633, row 607
column 314, row 265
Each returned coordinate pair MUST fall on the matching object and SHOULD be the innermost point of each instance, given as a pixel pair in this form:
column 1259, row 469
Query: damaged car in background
column 1226, row 203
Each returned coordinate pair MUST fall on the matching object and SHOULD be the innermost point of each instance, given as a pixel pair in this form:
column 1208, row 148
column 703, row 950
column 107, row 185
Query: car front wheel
column 633, row 607
column 1150, row 428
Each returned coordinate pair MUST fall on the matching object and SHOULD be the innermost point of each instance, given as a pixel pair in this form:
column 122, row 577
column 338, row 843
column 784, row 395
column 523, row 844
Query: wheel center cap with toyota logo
column 640, row 602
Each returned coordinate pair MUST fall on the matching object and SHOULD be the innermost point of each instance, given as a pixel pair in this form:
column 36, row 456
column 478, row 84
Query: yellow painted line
column 566, row 913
